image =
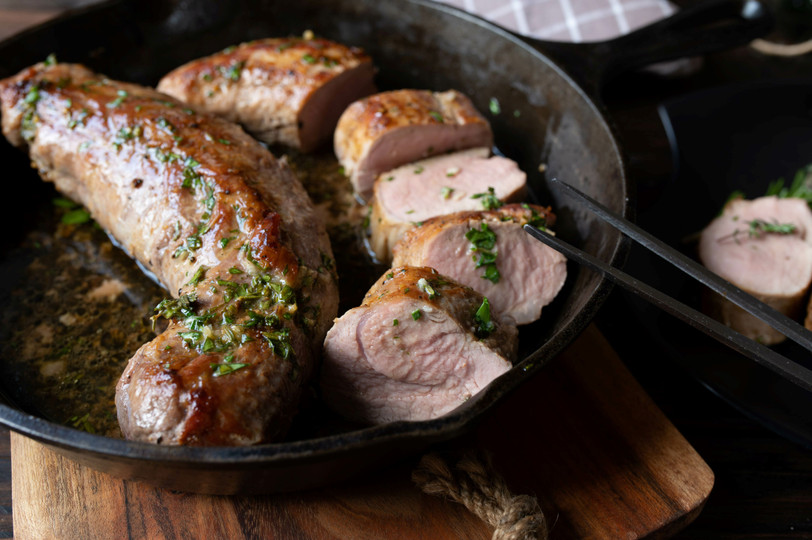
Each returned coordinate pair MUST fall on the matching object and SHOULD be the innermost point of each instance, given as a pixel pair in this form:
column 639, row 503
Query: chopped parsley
column 234, row 71
column 199, row 274
column 437, row 116
column 122, row 95
column 494, row 106
column 426, row 287
column 76, row 217
column 489, row 199
column 801, row 187
column 483, row 244
column 482, row 318
column 416, row 314
column 758, row 227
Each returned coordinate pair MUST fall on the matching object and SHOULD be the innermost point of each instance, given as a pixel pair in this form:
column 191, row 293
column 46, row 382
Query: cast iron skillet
column 415, row 44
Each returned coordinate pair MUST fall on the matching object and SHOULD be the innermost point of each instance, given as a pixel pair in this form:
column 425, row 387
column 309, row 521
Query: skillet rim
column 429, row 431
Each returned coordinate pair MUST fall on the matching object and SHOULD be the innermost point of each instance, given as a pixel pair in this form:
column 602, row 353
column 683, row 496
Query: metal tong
column 757, row 352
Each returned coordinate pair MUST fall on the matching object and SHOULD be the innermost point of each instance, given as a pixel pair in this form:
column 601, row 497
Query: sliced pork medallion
column 419, row 346
column 384, row 131
column 490, row 252
column 764, row 247
column 287, row 90
column 409, row 195
column 224, row 226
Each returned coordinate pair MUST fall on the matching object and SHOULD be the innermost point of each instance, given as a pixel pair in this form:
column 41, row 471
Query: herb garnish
column 416, row 314
column 799, row 189
column 494, row 106
column 218, row 370
column 489, row 199
column 199, row 274
column 122, row 95
column 756, row 228
column 426, row 287
column 482, row 318
column 483, row 242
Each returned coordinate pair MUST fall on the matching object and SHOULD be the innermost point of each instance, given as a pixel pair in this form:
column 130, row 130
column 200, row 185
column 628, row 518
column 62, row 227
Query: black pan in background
column 415, row 44
column 738, row 137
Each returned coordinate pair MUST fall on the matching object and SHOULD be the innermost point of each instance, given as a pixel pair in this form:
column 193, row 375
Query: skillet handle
column 706, row 27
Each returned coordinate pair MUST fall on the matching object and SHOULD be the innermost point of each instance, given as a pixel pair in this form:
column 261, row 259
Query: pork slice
column 774, row 267
column 414, row 350
column 282, row 90
column 440, row 185
column 219, row 222
column 525, row 275
column 386, row 130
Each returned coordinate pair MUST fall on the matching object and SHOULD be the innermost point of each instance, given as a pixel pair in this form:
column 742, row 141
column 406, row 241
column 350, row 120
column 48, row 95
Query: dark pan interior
column 545, row 120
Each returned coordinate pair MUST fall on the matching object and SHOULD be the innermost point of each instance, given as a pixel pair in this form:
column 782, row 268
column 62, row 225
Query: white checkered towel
column 578, row 21
column 568, row 20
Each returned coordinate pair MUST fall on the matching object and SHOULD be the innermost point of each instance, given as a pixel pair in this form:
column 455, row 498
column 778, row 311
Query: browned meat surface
column 490, row 252
column 436, row 186
column 419, row 346
column 808, row 322
column 287, row 90
column 384, row 131
column 764, row 247
column 224, row 226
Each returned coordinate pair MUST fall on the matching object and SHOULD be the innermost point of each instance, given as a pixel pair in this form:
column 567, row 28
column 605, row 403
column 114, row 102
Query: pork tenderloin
column 386, row 130
column 490, row 252
column 414, row 193
column 418, row 347
column 282, row 90
column 218, row 221
column 763, row 246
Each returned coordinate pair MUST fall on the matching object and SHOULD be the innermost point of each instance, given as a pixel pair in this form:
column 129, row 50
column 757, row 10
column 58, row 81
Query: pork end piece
column 775, row 268
column 386, row 130
column 523, row 276
column 218, row 221
column 436, row 186
column 414, row 350
column 282, row 90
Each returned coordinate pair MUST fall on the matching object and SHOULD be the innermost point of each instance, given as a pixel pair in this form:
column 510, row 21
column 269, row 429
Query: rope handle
column 475, row 484
column 782, row 49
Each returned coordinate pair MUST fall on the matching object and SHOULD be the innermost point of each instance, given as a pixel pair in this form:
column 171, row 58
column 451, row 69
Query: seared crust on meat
column 224, row 226
column 459, row 301
column 386, row 130
column 282, row 90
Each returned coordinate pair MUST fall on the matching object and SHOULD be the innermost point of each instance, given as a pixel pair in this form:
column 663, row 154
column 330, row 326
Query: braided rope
column 781, row 49
column 476, row 485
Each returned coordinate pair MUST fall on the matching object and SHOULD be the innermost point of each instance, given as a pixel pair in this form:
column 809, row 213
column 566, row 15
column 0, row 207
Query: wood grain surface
column 582, row 436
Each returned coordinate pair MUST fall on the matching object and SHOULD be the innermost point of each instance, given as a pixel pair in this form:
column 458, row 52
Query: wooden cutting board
column 582, row 436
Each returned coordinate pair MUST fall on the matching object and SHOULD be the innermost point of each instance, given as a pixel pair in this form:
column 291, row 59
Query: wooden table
column 763, row 483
